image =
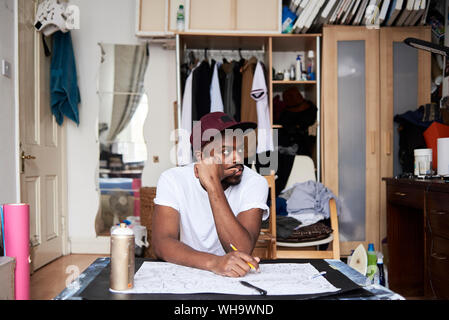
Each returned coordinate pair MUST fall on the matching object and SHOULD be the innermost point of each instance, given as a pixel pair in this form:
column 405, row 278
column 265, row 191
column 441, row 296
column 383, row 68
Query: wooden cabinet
column 405, row 79
column 418, row 237
column 158, row 17
column 152, row 17
column 350, row 120
column 368, row 74
column 261, row 16
column 274, row 50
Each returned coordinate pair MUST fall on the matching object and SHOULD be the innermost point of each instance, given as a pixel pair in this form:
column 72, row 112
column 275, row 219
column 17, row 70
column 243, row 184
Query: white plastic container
column 423, row 162
column 443, row 156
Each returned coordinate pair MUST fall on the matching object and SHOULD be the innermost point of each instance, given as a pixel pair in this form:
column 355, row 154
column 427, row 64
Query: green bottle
column 372, row 263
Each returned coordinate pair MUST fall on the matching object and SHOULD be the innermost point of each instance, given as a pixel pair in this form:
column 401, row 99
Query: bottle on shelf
column 298, row 68
column 292, row 72
column 180, row 18
column 286, row 75
column 311, row 66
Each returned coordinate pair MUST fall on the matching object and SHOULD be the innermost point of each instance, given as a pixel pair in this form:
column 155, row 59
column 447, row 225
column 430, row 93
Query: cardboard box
column 7, row 266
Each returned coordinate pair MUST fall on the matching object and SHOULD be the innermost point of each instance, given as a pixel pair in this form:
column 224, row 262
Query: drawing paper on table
column 276, row 279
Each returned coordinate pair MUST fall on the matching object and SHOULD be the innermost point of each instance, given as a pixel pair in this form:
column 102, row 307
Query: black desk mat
column 98, row 289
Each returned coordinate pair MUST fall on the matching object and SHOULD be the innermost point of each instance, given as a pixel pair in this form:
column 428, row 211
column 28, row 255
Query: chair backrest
column 272, row 219
column 303, row 170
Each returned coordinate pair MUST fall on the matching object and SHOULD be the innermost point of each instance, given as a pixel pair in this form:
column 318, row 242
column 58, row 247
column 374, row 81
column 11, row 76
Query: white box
column 7, row 266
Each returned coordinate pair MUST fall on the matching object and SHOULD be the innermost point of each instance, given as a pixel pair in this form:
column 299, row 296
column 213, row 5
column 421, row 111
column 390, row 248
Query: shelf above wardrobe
column 286, row 82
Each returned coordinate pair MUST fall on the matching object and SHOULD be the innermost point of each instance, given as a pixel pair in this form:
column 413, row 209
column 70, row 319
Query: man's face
column 231, row 153
column 232, row 157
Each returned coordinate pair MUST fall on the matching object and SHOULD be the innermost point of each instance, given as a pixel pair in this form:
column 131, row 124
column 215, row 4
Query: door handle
column 24, row 157
column 440, row 212
column 27, row 157
column 388, row 150
column 438, row 257
column 400, row 194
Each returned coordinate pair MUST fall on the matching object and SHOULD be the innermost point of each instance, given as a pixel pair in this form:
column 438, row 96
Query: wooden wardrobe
column 368, row 76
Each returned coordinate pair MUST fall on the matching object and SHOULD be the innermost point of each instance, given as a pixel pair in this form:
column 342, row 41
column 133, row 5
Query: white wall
column 111, row 21
column 8, row 110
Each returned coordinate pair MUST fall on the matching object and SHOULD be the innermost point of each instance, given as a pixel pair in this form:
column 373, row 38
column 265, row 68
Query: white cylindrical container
column 423, row 162
column 122, row 258
column 443, row 156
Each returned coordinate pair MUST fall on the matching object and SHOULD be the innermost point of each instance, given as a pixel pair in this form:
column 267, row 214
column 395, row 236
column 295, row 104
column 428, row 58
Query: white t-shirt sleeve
column 166, row 192
column 254, row 195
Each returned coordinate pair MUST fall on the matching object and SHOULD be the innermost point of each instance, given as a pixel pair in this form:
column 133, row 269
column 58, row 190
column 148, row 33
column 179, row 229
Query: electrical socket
column 6, row 68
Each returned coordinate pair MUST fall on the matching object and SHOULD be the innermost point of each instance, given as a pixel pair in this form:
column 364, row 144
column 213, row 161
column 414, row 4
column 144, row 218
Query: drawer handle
column 438, row 257
column 400, row 194
column 440, row 212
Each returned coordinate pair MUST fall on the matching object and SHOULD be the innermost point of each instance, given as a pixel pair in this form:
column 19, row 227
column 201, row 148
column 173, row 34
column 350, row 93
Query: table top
column 73, row 291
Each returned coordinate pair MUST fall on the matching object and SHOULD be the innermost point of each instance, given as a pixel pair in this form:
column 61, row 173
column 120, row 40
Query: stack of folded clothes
column 307, row 213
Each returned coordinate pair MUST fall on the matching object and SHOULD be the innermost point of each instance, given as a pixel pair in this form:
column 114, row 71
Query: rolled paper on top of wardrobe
column 17, row 245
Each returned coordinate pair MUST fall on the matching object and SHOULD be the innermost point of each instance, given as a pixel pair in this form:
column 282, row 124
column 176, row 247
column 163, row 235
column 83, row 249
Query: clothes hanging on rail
column 259, row 93
column 249, row 106
column 237, row 88
column 215, row 92
column 201, row 90
column 226, row 76
column 184, row 147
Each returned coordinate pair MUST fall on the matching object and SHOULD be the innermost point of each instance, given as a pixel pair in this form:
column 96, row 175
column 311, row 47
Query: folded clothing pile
column 308, row 213
column 314, row 232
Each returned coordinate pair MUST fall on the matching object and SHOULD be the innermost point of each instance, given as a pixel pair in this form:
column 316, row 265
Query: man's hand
column 210, row 171
column 234, row 264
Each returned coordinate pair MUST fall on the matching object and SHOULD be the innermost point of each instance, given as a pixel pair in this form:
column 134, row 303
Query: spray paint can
column 122, row 258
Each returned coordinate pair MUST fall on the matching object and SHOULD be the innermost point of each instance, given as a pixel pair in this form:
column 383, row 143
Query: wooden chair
column 147, row 195
column 299, row 250
column 266, row 243
column 304, row 170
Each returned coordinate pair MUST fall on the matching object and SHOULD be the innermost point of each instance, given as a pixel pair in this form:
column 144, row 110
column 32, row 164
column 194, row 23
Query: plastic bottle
column 292, row 72
column 286, row 75
column 372, row 262
column 380, row 269
column 298, row 68
column 180, row 18
column 311, row 66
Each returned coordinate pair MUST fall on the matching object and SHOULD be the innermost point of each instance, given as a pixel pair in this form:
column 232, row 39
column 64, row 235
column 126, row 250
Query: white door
column 42, row 141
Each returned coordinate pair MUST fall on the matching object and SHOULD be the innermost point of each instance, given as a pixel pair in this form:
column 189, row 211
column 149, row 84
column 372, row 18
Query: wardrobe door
column 350, row 117
column 211, row 15
column 405, row 85
column 151, row 17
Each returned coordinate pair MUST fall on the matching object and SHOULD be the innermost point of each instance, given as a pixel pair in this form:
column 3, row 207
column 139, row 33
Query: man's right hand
column 234, row 264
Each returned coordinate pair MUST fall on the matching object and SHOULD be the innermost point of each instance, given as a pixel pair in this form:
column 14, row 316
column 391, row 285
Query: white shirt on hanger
column 216, row 101
column 259, row 93
column 184, row 149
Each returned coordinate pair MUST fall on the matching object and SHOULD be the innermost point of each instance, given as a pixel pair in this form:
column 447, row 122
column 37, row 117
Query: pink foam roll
column 17, row 245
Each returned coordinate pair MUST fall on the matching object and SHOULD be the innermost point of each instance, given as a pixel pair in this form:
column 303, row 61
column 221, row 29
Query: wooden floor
column 47, row 282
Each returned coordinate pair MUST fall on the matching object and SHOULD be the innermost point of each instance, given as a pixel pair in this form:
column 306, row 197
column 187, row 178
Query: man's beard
column 234, row 180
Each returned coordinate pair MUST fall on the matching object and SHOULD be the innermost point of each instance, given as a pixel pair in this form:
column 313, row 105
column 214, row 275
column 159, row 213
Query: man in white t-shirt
column 203, row 208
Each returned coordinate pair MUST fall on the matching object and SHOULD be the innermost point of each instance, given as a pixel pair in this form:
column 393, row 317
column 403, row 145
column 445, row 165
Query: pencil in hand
column 235, row 249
